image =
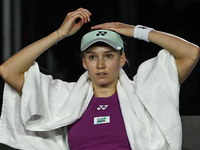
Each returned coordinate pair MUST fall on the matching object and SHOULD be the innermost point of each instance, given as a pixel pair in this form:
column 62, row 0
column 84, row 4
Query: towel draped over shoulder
column 38, row 119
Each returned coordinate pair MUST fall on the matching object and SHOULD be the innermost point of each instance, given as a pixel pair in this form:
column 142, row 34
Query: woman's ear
column 84, row 65
column 123, row 60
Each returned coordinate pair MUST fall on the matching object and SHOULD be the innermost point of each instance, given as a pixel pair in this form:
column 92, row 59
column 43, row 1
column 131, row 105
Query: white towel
column 156, row 87
column 149, row 107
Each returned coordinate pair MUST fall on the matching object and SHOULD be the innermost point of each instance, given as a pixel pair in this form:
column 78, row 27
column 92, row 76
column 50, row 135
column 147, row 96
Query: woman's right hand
column 69, row 26
column 12, row 71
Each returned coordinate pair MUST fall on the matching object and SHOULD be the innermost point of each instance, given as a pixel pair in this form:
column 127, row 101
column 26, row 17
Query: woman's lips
column 101, row 74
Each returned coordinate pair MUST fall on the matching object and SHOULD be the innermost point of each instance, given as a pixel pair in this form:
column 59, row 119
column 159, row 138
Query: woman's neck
column 104, row 91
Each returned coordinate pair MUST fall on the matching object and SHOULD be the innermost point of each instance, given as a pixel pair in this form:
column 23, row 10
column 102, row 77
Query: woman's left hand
column 118, row 27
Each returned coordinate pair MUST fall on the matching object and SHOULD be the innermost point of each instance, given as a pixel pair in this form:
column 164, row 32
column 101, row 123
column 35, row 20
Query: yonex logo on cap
column 102, row 33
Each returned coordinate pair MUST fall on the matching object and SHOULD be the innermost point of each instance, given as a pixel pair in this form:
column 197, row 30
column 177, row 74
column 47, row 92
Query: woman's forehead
column 96, row 49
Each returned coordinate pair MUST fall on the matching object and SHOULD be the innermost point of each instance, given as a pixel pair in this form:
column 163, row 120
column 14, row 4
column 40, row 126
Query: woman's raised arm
column 12, row 71
column 186, row 54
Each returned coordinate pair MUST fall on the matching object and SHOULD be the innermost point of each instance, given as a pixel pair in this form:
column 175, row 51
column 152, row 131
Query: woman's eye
column 109, row 56
column 91, row 57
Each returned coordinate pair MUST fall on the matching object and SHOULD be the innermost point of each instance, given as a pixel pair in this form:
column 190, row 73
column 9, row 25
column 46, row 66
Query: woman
column 144, row 113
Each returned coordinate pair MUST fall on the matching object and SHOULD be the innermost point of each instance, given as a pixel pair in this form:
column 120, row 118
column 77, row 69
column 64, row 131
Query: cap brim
column 109, row 42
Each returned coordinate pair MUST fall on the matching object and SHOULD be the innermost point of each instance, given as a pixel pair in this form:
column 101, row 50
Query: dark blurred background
column 25, row 21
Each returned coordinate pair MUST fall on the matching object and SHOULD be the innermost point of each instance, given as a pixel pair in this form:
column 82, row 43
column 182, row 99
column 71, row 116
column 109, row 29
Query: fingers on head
column 85, row 11
column 109, row 26
column 83, row 14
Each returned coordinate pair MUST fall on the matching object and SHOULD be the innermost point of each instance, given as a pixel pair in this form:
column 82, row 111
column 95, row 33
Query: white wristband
column 142, row 32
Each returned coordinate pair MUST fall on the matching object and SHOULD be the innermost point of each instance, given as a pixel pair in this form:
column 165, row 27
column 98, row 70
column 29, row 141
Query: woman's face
column 103, row 64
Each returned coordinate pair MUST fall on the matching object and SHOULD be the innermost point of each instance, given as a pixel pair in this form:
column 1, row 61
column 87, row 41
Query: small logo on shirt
column 102, row 107
column 102, row 120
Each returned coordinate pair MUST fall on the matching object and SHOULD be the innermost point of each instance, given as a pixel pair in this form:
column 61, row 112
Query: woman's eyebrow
column 110, row 51
column 89, row 52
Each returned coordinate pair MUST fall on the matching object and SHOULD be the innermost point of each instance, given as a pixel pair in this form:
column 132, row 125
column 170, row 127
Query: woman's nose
column 101, row 63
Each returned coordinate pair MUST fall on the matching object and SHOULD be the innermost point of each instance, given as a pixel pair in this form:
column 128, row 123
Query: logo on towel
column 101, row 120
column 102, row 107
